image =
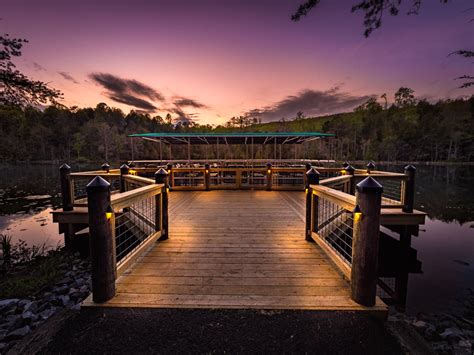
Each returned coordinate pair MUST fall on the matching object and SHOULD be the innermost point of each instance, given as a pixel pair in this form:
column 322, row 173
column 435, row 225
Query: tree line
column 406, row 130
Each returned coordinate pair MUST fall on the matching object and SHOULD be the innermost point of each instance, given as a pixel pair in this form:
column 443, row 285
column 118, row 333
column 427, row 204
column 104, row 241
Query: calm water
column 445, row 245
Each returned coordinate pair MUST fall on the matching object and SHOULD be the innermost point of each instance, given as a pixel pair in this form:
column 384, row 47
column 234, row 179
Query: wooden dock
column 236, row 249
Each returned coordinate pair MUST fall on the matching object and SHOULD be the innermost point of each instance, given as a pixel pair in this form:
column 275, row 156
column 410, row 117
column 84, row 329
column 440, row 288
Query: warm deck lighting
column 109, row 212
column 357, row 213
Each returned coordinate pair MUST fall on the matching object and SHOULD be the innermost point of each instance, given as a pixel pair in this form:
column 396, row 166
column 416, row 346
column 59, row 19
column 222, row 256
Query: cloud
column 38, row 67
column 183, row 101
column 184, row 118
column 128, row 91
column 311, row 102
column 131, row 100
column 68, row 77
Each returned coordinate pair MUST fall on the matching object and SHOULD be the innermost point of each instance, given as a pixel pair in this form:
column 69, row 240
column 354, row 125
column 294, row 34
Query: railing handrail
column 139, row 179
column 340, row 198
column 335, row 180
column 125, row 199
column 94, row 173
column 381, row 175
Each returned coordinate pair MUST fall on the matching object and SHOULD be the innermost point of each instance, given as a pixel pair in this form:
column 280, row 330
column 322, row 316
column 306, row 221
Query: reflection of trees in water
column 445, row 192
column 17, row 182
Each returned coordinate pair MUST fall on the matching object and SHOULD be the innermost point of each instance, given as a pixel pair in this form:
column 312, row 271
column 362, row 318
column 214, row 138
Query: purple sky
column 211, row 60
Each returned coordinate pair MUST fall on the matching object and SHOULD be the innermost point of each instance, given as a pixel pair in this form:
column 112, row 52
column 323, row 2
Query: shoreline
column 357, row 162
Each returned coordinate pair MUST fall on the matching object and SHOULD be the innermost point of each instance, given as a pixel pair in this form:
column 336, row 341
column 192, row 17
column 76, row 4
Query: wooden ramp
column 236, row 249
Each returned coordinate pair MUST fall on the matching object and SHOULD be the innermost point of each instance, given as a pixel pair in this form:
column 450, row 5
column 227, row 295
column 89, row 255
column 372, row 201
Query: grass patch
column 27, row 279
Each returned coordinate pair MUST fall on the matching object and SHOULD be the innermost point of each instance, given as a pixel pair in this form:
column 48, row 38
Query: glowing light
column 109, row 212
column 132, row 172
column 357, row 216
column 357, row 213
column 306, row 190
column 269, row 171
column 207, row 171
column 343, row 172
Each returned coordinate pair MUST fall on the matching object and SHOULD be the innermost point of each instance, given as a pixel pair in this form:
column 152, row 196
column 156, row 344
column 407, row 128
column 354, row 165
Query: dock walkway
column 236, row 249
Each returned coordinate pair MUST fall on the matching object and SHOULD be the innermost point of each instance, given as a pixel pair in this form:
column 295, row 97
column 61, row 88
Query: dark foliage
column 16, row 88
column 407, row 130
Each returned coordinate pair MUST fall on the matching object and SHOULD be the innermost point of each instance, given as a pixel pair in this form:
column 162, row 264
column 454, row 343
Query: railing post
column 365, row 242
column 207, row 176
column 269, row 176
column 312, row 177
column 409, row 189
column 124, row 170
column 102, row 240
column 370, row 166
column 315, row 204
column 67, row 195
column 66, row 187
column 169, row 167
column 161, row 177
column 106, row 167
column 351, row 171
column 307, row 167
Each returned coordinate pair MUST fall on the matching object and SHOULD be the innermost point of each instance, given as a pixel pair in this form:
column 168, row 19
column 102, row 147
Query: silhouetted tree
column 405, row 97
column 15, row 87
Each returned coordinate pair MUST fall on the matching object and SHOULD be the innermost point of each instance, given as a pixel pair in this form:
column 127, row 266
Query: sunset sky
column 210, row 60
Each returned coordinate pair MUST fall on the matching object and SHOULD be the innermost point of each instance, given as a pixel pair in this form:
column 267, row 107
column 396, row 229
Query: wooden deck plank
column 235, row 249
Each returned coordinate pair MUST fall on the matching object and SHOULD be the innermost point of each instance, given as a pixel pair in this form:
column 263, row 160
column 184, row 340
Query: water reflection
column 28, row 194
column 444, row 192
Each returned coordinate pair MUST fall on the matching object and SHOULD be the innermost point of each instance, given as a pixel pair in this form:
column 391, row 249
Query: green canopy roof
column 233, row 138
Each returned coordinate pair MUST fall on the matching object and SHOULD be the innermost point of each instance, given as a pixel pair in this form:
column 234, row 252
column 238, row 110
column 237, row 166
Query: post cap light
column 109, row 212
column 357, row 213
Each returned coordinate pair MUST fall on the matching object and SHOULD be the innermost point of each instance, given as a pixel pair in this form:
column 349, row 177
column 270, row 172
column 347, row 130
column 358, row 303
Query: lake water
column 445, row 245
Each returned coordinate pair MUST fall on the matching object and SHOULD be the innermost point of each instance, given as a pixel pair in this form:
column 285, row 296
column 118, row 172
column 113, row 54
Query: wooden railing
column 127, row 212
column 123, row 225
column 347, row 226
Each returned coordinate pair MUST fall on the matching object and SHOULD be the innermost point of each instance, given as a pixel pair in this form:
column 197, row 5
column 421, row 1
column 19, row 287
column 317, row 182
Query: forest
column 407, row 130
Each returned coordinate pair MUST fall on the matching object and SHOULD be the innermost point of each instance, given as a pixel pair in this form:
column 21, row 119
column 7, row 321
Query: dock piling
column 269, row 177
column 161, row 177
column 102, row 240
column 351, row 171
column 124, row 170
column 207, row 176
column 66, row 187
column 365, row 242
column 408, row 193
column 312, row 178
